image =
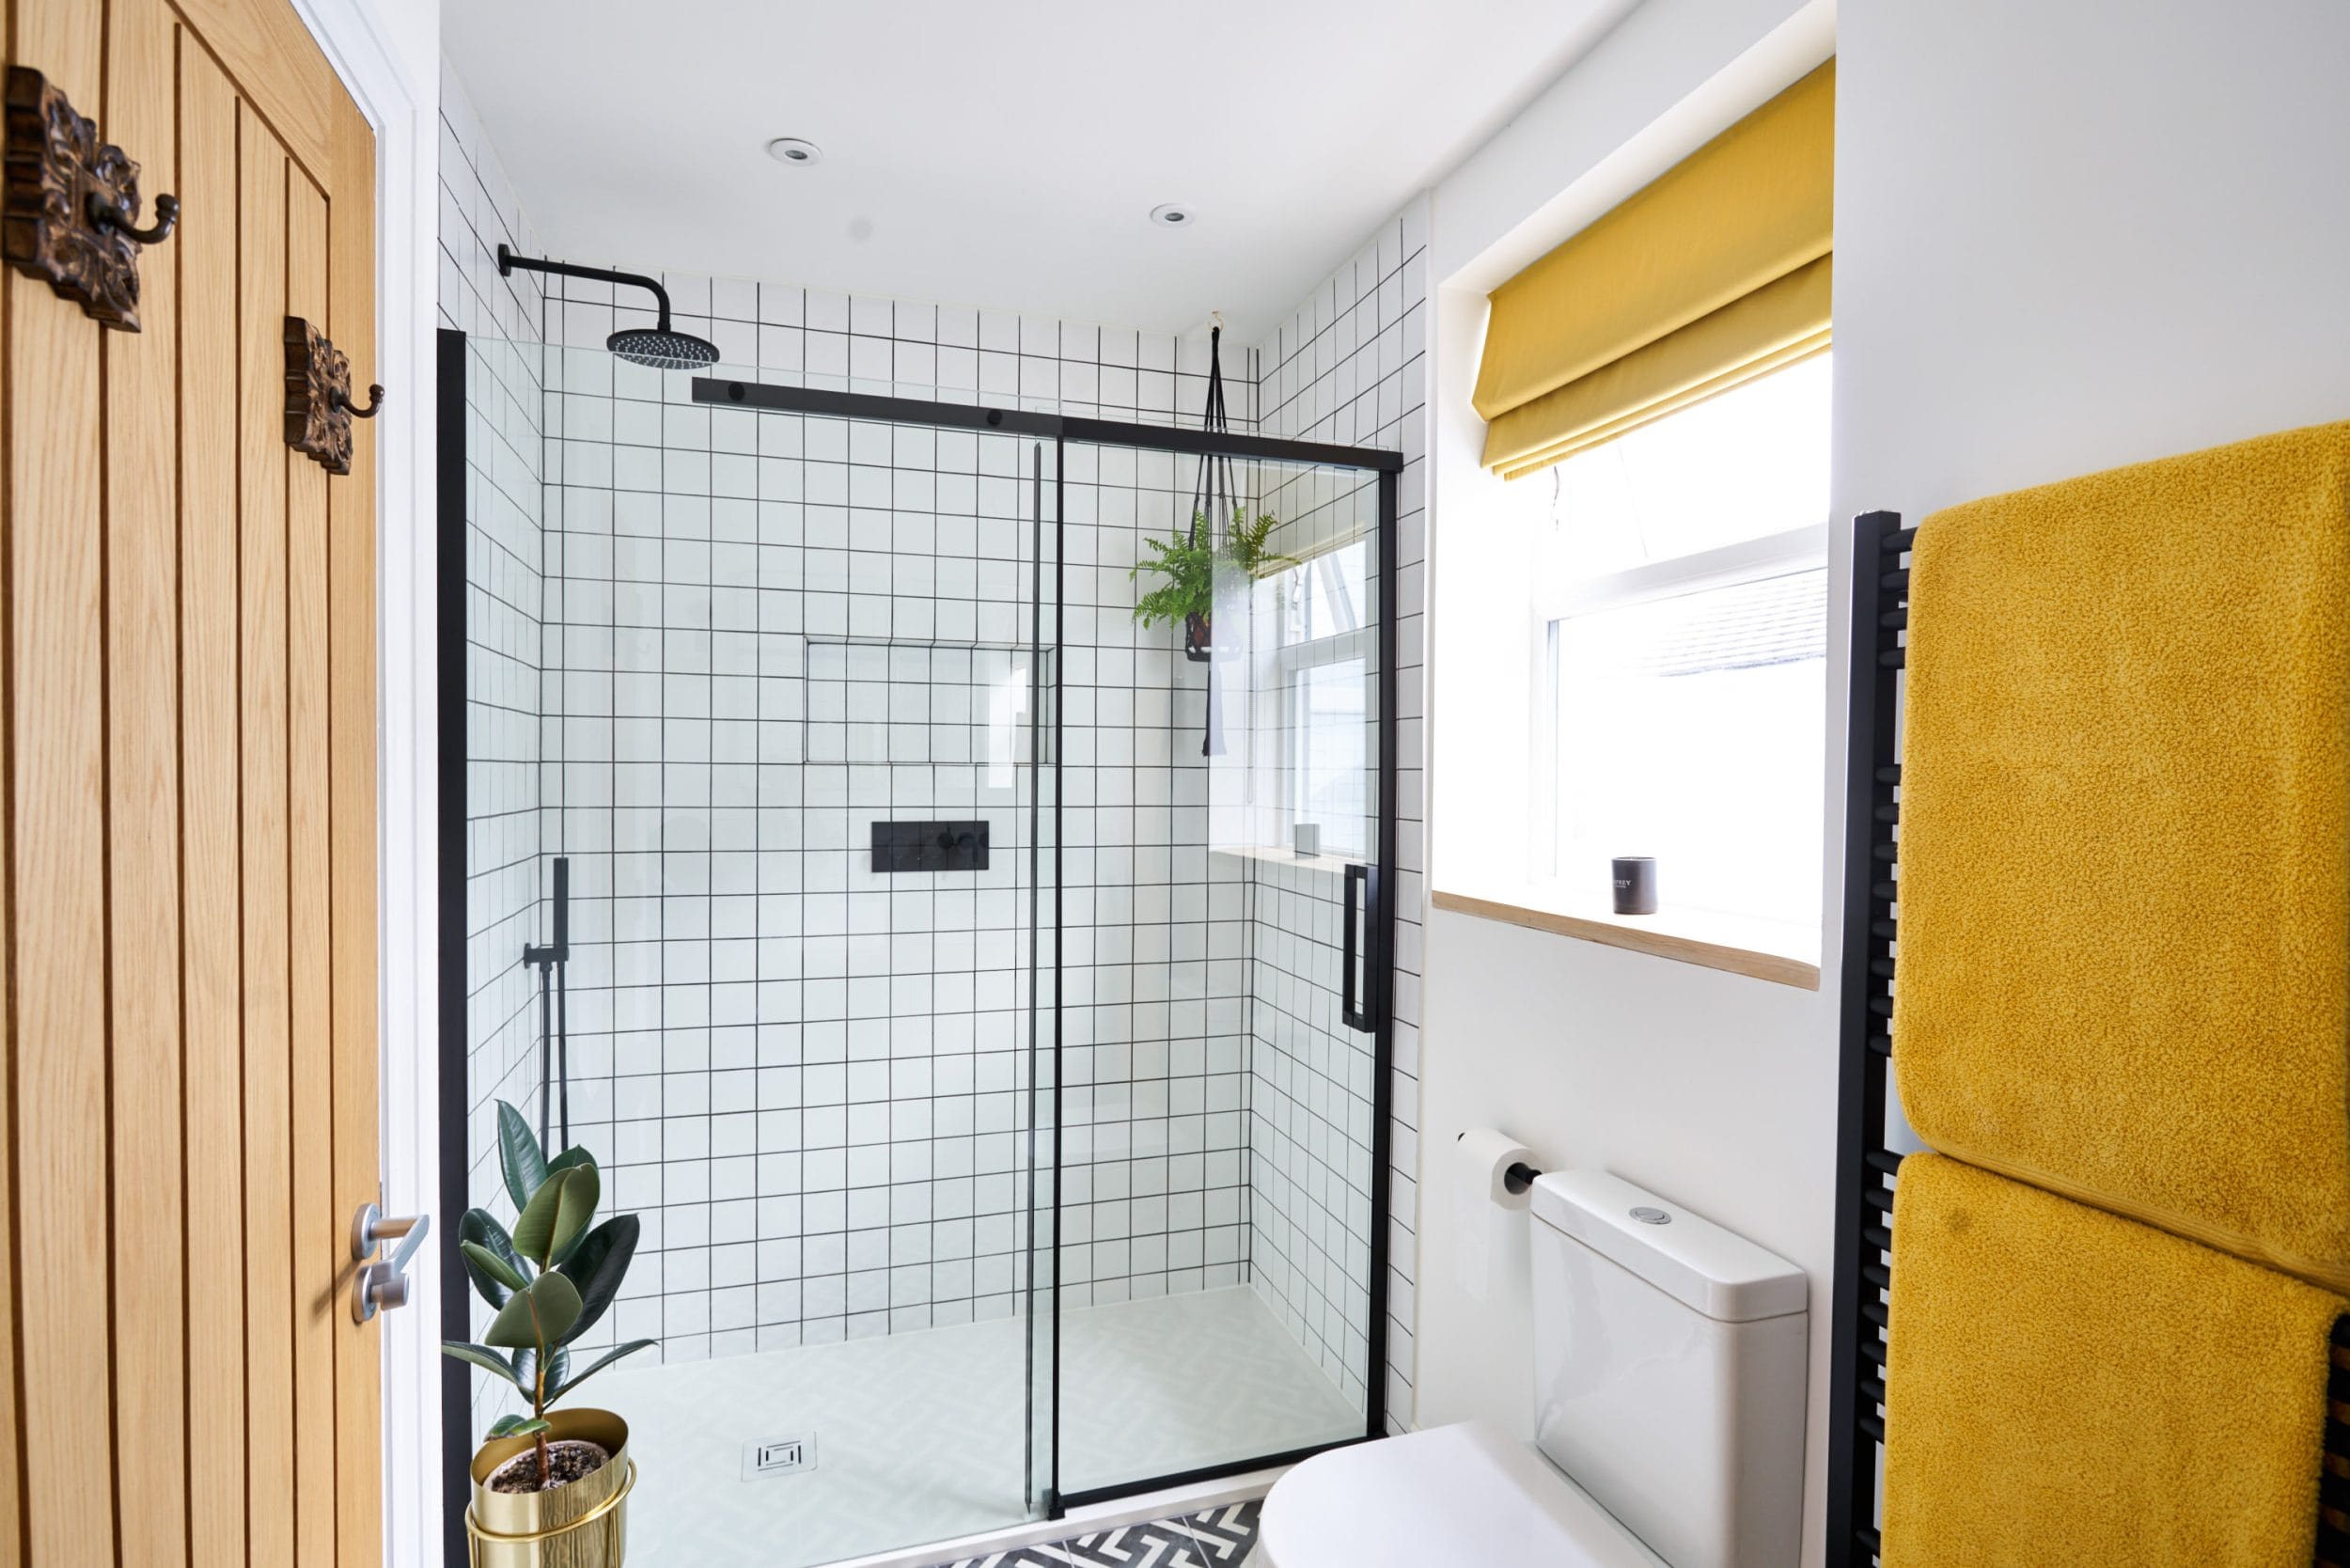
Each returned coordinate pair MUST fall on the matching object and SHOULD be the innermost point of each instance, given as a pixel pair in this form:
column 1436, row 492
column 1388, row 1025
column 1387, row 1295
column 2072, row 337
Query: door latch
column 382, row 1285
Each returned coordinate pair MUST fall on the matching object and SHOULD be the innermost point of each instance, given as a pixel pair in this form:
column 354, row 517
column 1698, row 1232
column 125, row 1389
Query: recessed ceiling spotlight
column 795, row 151
column 1173, row 215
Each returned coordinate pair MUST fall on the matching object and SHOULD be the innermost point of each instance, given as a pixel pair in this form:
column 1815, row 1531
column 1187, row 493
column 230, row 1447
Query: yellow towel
column 2124, row 963
column 2068, row 1387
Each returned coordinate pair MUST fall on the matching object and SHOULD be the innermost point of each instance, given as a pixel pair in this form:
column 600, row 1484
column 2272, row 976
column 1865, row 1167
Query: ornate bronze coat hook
column 318, row 410
column 70, row 204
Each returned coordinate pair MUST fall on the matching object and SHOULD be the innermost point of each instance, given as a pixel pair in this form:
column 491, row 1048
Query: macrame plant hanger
column 1215, row 499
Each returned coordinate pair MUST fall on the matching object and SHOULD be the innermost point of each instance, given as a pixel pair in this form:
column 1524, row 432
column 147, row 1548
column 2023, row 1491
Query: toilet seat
column 1464, row 1494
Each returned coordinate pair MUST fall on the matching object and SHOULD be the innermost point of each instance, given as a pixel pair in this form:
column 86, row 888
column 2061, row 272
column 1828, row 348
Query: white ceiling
column 1000, row 155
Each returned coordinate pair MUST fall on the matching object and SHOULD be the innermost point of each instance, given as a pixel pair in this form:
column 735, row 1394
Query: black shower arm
column 508, row 261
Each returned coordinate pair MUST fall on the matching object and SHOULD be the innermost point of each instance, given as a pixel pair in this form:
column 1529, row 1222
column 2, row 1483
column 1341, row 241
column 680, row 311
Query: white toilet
column 1668, row 1385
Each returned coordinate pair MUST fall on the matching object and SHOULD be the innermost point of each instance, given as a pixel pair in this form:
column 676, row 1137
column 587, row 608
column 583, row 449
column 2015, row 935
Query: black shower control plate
column 930, row 847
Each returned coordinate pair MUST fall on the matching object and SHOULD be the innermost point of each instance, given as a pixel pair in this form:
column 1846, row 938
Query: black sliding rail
column 1866, row 1168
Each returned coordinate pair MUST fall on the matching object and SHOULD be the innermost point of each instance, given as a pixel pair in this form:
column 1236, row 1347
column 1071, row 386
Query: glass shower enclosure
column 982, row 1001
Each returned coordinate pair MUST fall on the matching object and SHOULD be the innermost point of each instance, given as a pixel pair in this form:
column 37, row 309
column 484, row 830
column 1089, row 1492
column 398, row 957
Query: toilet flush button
column 1647, row 1216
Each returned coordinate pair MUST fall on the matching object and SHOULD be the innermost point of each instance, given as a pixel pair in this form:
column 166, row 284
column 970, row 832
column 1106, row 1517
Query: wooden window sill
column 1702, row 937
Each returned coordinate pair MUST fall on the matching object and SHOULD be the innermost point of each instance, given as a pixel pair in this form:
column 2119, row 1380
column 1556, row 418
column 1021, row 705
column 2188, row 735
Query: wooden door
column 187, row 853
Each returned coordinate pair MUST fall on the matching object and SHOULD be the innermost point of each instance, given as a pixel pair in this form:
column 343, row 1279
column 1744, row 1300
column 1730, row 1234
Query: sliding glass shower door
column 1218, row 1052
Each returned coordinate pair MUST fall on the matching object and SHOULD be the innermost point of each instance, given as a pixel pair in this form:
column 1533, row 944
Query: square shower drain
column 778, row 1456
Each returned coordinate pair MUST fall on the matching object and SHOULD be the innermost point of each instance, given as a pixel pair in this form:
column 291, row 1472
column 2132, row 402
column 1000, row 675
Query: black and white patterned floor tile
column 1219, row 1538
column 1225, row 1535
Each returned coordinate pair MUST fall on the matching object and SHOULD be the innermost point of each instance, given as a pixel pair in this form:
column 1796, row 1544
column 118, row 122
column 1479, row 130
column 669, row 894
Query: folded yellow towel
column 2064, row 1387
column 2125, row 962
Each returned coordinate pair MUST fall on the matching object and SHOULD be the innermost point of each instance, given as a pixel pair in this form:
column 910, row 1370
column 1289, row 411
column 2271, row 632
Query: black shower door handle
column 1357, row 905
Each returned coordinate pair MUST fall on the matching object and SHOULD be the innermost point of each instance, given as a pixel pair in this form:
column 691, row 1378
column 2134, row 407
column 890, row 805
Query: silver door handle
column 382, row 1284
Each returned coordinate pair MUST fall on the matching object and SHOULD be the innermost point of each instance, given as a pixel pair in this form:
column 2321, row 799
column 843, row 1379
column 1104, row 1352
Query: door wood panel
column 12, row 1520
column 142, row 803
column 351, row 630
column 58, row 929
column 187, row 830
column 262, row 176
column 211, row 987
column 309, row 966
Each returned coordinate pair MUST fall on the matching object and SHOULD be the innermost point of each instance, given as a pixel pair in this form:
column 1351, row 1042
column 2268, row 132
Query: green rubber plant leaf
column 483, row 1357
column 557, row 1214
column 481, row 1229
column 527, row 1372
column 534, row 1228
column 520, row 1158
column 598, row 1264
column 587, row 1190
column 570, row 1158
column 519, row 1426
column 631, row 1348
column 480, row 1263
column 540, row 1313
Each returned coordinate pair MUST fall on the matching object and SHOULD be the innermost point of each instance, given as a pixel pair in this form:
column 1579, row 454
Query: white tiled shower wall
column 504, row 577
column 805, row 1076
column 1350, row 368
column 504, row 589
column 883, row 1215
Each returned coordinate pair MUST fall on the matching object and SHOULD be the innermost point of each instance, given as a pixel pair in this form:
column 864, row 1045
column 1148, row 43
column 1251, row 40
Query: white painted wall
column 2068, row 235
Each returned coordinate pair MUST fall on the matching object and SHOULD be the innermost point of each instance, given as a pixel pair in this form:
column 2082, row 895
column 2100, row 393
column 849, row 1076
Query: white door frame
column 387, row 53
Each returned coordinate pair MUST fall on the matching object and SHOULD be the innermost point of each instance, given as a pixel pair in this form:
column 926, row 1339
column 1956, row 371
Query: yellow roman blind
column 1716, row 273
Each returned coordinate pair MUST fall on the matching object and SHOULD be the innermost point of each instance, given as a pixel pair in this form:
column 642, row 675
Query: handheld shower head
column 660, row 347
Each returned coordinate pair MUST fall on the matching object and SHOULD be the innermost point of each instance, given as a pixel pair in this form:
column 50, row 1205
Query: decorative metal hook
column 70, row 202
column 375, row 404
column 318, row 410
column 106, row 214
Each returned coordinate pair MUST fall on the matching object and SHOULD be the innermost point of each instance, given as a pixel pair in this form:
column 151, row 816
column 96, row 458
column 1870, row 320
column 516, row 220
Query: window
column 1684, row 587
column 1325, row 664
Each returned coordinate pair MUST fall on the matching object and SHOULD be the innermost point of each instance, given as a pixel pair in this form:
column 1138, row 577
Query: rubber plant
column 1189, row 562
column 551, row 1280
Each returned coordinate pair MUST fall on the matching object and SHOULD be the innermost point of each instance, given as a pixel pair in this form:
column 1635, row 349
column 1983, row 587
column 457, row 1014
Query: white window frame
column 1291, row 661
column 1749, row 560
column 1562, row 596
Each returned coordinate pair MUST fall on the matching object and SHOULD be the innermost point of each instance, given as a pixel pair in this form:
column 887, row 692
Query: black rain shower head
column 663, row 348
column 660, row 347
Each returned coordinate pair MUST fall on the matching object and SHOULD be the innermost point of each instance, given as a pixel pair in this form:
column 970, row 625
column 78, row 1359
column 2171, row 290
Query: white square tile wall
column 920, row 702
column 1350, row 367
column 505, row 563
column 765, row 632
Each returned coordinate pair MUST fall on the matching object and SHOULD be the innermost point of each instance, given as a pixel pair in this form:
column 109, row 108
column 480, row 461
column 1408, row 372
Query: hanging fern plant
column 1189, row 562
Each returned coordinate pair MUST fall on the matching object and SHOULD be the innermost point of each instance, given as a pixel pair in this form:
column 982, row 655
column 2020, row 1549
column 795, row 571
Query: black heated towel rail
column 1866, row 1169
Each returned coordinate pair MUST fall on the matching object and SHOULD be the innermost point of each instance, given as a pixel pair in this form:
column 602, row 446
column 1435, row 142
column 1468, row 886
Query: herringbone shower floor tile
column 922, row 1437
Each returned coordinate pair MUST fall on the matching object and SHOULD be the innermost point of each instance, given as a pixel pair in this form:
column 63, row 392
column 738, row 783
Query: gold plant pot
column 583, row 1525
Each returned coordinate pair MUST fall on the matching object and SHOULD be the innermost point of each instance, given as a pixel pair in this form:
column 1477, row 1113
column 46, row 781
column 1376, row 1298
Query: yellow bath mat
column 2064, row 1387
column 2125, row 860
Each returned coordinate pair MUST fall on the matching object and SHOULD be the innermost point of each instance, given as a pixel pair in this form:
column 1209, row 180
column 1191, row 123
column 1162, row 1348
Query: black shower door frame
column 1378, row 955
column 1378, row 950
